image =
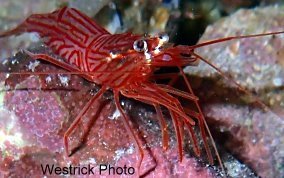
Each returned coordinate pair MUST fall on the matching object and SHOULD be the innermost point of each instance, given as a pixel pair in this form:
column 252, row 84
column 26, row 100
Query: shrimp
column 125, row 64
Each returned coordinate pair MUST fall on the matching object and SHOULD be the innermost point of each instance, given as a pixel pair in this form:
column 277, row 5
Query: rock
column 254, row 62
column 249, row 131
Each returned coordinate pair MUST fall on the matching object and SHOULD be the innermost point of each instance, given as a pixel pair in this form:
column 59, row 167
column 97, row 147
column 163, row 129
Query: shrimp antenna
column 240, row 87
column 233, row 38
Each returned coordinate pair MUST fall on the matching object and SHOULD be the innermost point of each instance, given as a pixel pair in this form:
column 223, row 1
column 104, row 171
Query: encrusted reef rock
column 253, row 133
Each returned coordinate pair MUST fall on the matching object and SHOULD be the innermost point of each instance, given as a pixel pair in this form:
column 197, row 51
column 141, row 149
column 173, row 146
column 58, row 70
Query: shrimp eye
column 164, row 37
column 140, row 45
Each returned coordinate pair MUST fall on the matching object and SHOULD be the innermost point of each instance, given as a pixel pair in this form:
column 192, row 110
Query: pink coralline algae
column 39, row 113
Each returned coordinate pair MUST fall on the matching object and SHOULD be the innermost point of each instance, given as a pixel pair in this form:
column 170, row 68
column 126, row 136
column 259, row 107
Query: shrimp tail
column 59, row 23
column 34, row 23
column 16, row 31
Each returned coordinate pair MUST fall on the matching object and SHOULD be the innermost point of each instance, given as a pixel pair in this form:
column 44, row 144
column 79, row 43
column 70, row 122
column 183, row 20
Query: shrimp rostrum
column 125, row 64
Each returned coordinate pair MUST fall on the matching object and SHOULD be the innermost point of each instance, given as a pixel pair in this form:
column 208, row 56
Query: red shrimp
column 124, row 63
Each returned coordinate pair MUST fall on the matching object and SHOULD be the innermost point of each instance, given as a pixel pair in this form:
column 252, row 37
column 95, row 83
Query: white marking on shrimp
column 148, row 57
column 166, row 57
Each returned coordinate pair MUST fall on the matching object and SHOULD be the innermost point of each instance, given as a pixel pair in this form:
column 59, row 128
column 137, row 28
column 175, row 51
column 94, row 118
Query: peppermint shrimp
column 125, row 64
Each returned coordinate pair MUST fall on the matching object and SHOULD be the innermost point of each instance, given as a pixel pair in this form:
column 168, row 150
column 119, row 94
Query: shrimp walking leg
column 202, row 123
column 201, row 120
column 177, row 92
column 199, row 115
column 188, row 111
column 179, row 135
column 165, row 134
column 162, row 122
column 151, row 93
column 125, row 120
column 79, row 117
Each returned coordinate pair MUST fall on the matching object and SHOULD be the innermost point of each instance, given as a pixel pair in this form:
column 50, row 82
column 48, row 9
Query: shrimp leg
column 125, row 120
column 198, row 115
column 79, row 117
column 153, row 94
column 202, row 123
column 162, row 122
column 165, row 135
column 201, row 120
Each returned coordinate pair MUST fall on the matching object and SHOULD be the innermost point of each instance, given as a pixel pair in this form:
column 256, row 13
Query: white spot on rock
column 119, row 153
column 34, row 37
column 115, row 115
column 48, row 79
column 277, row 82
column 32, row 65
column 64, row 80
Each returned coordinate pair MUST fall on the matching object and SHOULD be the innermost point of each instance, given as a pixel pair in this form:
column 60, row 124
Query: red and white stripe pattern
column 68, row 32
